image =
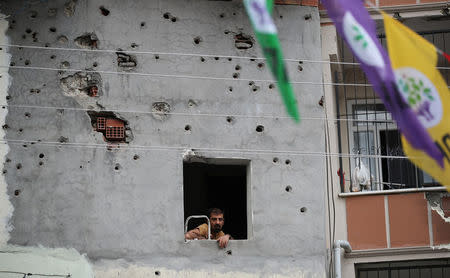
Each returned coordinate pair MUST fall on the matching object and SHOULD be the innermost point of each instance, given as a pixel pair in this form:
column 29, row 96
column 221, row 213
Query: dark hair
column 215, row 211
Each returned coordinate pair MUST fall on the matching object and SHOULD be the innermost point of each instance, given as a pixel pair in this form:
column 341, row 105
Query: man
column 217, row 221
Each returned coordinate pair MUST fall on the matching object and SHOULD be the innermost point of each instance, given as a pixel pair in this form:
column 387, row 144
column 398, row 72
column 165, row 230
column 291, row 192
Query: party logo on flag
column 263, row 21
column 360, row 41
column 421, row 95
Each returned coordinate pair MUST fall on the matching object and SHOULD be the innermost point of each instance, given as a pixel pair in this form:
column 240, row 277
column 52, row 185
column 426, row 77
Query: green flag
column 259, row 12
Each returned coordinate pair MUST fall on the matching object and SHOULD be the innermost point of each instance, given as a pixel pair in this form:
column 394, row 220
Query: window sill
column 392, row 191
column 394, row 251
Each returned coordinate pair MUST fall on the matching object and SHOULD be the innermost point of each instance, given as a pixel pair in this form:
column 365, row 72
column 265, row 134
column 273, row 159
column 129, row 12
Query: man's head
column 217, row 220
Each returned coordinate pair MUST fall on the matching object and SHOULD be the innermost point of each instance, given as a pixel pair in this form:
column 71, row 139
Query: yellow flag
column 414, row 62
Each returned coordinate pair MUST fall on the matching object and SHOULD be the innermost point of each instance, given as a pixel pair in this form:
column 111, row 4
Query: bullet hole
column 20, row 129
column 47, row 45
column 300, row 68
column 157, row 57
column 275, row 160
column 8, row 160
column 255, row 88
column 52, row 29
column 62, row 39
column 136, row 157
column 104, row 11
column 160, row 110
column 229, row 252
column 63, row 139
column 236, row 75
column 17, row 192
column 41, row 155
column 252, row 59
column 5, row 126
column 187, row 128
column 243, row 41
column 27, row 62
column 27, row 115
column 117, row 167
column 18, row 166
column 157, row 273
column 216, row 58
column 125, row 61
column 303, row 209
column 81, row 83
column 251, row 83
column 230, row 59
column 81, row 166
column 52, row 12
column 28, row 31
column 192, row 103
column 114, row 129
column 87, row 41
column 173, row 19
column 260, row 65
column 237, row 67
column 52, row 57
column 142, row 24
column 259, row 128
column 41, row 163
column 222, row 15
column 166, row 15
column 288, row 188
column 308, row 16
column 281, row 16
column 230, row 89
column 32, row 14
column 65, row 64
column 95, row 64
column 34, row 36
column 8, row 97
column 4, row 171
column 202, row 59
column 321, row 101
column 287, row 162
column 271, row 86
column 197, row 40
column 69, row 8
column 226, row 32
column 134, row 45
column 234, row 13
column 230, row 119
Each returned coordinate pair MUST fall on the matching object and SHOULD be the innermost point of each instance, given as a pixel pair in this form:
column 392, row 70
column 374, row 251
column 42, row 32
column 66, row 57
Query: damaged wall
column 123, row 205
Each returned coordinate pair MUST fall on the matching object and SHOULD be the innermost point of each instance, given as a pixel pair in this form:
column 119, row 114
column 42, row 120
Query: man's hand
column 223, row 241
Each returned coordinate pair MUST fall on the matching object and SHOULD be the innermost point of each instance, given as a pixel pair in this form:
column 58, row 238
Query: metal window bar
column 372, row 130
column 197, row 216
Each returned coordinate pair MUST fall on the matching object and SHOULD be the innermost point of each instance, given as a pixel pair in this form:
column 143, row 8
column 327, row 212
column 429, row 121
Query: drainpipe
column 338, row 244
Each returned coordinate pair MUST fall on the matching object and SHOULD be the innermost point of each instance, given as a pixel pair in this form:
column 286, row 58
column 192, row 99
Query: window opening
column 221, row 183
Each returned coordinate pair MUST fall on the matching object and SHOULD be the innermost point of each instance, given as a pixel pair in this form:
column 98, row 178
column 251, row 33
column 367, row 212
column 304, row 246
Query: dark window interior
column 222, row 186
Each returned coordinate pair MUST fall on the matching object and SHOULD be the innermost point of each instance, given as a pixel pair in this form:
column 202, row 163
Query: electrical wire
column 182, row 76
column 189, row 114
column 25, row 274
column 124, row 146
column 153, row 52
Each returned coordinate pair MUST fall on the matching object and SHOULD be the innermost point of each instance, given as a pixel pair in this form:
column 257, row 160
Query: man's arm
column 223, row 240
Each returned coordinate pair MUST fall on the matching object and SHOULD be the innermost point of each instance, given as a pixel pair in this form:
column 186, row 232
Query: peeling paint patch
column 40, row 260
column 435, row 199
column 6, row 208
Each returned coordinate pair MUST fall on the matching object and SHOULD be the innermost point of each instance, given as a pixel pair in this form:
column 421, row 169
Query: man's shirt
column 204, row 232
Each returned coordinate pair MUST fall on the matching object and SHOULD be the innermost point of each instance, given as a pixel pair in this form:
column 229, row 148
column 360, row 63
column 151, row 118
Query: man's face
column 217, row 222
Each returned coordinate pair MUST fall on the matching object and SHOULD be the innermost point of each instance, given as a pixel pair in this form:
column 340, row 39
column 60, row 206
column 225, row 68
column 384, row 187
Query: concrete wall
column 125, row 211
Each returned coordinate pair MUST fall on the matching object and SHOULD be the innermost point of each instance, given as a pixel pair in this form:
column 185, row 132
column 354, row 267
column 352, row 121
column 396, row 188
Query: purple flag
column 355, row 26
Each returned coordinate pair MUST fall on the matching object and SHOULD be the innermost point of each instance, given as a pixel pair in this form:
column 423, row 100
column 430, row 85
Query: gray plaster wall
column 74, row 196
